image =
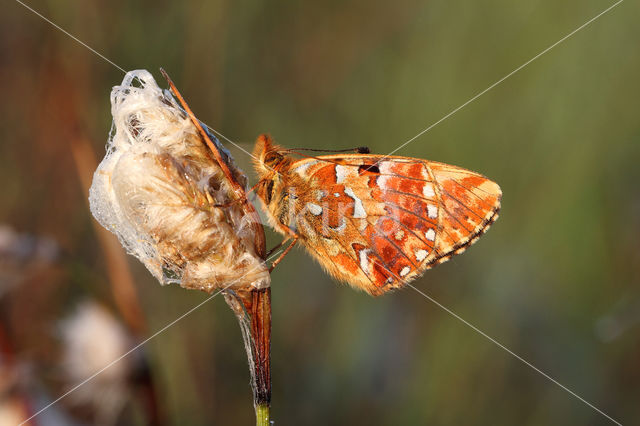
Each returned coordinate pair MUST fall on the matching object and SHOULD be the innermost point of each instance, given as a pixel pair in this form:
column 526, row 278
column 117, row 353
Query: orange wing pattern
column 379, row 222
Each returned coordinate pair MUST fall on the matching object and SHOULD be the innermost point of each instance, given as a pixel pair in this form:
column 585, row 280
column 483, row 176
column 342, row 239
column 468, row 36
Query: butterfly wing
column 379, row 222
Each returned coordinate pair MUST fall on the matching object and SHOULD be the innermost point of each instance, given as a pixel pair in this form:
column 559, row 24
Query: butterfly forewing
column 378, row 222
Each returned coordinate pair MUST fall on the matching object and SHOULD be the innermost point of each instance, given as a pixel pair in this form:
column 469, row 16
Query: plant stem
column 262, row 415
column 253, row 310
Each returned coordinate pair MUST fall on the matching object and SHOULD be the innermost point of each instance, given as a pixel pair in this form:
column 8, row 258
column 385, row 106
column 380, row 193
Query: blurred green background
column 556, row 279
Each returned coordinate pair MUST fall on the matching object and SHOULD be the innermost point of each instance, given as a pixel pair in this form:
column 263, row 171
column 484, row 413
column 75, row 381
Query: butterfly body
column 373, row 221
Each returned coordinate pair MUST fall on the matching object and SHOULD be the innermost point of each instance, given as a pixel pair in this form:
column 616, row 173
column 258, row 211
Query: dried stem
column 253, row 310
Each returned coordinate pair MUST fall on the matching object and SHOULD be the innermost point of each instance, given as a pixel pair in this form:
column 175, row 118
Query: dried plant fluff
column 158, row 187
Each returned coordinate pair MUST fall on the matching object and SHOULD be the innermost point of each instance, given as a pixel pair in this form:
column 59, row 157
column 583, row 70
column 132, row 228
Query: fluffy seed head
column 160, row 191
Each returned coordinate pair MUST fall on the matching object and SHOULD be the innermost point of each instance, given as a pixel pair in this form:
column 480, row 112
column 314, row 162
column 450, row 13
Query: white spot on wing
column 358, row 208
column 432, row 211
column 342, row 172
column 405, row 271
column 430, row 234
column 381, row 181
column 364, row 259
column 314, row 209
column 427, row 190
column 385, row 167
column 421, row 255
column 399, row 235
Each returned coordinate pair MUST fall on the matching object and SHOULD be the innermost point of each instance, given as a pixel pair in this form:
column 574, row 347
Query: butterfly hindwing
column 378, row 222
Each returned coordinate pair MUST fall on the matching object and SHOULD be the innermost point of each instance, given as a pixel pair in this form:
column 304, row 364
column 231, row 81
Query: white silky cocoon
column 157, row 189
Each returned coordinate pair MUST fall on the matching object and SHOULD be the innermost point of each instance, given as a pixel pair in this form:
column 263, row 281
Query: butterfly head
column 268, row 160
column 267, row 157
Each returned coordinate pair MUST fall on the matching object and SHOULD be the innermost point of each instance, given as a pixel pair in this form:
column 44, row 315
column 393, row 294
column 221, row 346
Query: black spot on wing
column 368, row 168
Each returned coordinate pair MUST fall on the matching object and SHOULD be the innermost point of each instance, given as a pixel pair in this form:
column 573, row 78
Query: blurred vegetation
column 556, row 279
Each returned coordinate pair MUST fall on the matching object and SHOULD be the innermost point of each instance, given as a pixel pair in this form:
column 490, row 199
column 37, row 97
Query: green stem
column 262, row 415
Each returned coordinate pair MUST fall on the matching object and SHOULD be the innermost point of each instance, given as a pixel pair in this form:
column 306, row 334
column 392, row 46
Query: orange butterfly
column 373, row 221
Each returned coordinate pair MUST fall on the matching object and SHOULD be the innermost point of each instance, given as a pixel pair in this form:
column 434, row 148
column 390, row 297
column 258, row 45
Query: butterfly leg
column 244, row 198
column 230, row 203
column 276, row 247
column 284, row 253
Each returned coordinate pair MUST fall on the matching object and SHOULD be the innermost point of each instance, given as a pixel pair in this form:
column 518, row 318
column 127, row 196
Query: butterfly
column 376, row 222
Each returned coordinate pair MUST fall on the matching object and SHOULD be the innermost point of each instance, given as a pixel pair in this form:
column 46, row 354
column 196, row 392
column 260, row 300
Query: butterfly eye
column 272, row 158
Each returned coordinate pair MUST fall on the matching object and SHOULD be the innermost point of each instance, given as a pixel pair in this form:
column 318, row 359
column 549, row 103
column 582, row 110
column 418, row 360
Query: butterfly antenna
column 357, row 150
column 312, row 157
column 372, row 168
